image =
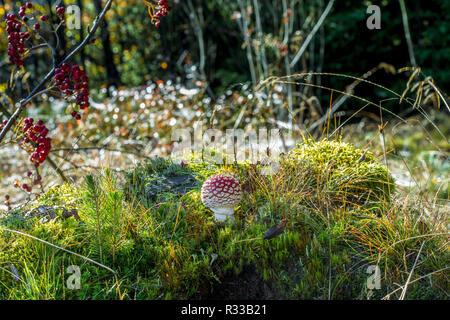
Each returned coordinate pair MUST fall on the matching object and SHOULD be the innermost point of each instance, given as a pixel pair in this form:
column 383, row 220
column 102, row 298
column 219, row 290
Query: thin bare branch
column 312, row 34
column 21, row 105
column 60, row 248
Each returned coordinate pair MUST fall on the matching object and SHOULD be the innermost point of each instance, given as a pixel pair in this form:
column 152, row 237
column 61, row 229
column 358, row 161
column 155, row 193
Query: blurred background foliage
column 227, row 42
column 208, row 61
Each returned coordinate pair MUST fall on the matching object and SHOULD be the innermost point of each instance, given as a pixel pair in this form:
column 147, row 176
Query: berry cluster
column 16, row 39
column 60, row 10
column 28, row 187
column 36, row 135
column 72, row 81
column 162, row 10
column 43, row 18
column 24, row 8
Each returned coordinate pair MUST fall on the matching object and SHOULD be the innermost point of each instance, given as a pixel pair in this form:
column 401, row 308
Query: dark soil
column 248, row 285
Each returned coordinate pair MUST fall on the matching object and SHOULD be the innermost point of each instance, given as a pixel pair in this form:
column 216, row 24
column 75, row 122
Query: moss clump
column 157, row 177
column 345, row 172
column 58, row 194
column 174, row 250
column 161, row 179
column 171, row 248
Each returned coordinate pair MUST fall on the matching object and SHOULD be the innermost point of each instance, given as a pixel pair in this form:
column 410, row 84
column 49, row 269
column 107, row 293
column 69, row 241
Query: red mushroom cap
column 221, row 193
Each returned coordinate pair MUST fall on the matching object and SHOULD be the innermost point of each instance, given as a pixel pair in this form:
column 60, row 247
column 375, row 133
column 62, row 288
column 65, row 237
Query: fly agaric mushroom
column 221, row 193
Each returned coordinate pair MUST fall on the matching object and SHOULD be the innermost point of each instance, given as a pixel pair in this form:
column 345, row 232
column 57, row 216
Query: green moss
column 172, row 248
column 160, row 179
column 58, row 194
column 346, row 172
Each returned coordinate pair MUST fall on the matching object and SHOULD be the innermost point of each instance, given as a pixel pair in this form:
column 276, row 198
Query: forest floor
column 166, row 245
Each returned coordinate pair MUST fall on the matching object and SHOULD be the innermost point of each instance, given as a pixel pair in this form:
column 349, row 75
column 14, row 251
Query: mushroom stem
column 223, row 213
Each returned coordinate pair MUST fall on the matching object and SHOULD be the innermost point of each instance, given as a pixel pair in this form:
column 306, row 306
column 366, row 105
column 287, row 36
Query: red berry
column 60, row 10
column 37, row 26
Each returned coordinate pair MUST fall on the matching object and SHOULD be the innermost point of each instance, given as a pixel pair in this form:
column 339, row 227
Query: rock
column 177, row 184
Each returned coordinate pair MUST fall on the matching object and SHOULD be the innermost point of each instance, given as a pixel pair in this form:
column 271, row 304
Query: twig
column 342, row 99
column 439, row 93
column 405, row 287
column 407, row 33
column 60, row 248
column 196, row 24
column 311, row 35
column 420, row 278
column 262, row 46
column 23, row 103
column 100, row 148
column 247, row 39
column 57, row 169
column 286, row 62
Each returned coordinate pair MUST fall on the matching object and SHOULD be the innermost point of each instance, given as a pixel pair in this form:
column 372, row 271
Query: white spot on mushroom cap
column 215, row 194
